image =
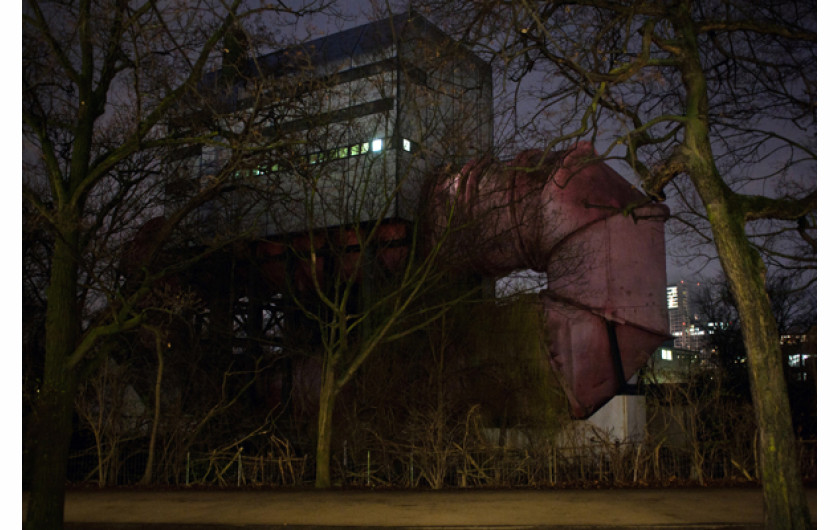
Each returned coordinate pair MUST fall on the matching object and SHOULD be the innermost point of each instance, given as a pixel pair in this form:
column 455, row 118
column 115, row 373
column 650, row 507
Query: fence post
column 411, row 470
column 188, row 468
column 239, row 467
column 368, row 467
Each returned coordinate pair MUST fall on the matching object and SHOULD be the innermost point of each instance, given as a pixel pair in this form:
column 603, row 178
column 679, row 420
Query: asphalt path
column 681, row 508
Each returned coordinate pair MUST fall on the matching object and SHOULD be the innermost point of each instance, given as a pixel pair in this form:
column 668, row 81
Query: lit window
column 672, row 297
column 406, row 144
column 342, row 152
column 354, row 149
column 376, row 145
column 365, row 148
column 667, row 355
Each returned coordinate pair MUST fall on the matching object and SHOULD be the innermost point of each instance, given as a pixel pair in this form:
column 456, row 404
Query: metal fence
column 608, row 464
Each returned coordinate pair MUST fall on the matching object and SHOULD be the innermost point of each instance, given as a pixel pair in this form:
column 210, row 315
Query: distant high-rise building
column 687, row 331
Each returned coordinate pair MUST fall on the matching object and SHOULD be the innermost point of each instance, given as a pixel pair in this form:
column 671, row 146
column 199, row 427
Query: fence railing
column 613, row 464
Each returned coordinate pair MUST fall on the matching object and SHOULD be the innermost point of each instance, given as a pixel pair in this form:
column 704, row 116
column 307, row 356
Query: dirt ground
column 616, row 508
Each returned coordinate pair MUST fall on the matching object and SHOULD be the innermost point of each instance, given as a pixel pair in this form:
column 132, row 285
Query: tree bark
column 150, row 461
column 784, row 494
column 325, row 417
column 785, row 505
column 53, row 414
column 53, row 431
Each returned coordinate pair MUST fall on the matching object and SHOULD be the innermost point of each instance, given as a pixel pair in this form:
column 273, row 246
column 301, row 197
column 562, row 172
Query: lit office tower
column 680, row 317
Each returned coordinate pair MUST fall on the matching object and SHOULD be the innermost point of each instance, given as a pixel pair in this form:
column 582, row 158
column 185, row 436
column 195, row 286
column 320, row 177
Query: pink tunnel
column 599, row 241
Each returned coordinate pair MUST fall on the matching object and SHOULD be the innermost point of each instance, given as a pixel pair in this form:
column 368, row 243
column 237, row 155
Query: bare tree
column 714, row 100
column 112, row 412
column 343, row 216
column 100, row 81
column 795, row 312
column 361, row 286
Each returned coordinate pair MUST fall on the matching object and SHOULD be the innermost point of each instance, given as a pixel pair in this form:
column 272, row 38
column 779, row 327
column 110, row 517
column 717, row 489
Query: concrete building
column 333, row 136
column 357, row 117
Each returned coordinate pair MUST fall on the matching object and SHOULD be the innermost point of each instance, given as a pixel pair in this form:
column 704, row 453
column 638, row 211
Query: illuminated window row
column 262, row 170
column 374, row 146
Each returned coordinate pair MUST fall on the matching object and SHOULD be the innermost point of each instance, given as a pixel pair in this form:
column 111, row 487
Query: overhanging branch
column 760, row 207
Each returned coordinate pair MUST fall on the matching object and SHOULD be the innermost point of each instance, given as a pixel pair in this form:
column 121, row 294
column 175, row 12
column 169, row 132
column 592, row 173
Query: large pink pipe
column 599, row 241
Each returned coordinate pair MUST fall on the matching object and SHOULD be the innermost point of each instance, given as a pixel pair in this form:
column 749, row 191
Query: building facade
column 353, row 122
column 685, row 326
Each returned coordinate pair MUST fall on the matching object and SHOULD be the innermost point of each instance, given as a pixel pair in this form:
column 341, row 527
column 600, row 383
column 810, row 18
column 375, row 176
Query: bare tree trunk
column 53, row 414
column 784, row 495
column 147, row 473
column 54, row 427
column 99, row 429
column 325, row 416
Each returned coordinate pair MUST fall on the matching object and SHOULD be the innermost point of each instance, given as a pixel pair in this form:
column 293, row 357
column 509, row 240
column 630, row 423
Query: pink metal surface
column 599, row 241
